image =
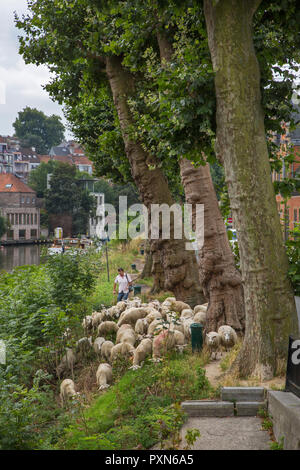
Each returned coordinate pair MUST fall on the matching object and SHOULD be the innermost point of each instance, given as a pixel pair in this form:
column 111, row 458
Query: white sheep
column 98, row 344
column 187, row 313
column 97, row 318
column 84, row 345
column 87, row 324
column 200, row 317
column 153, row 315
column 155, row 327
column 106, row 349
column 132, row 315
column 200, row 308
column 141, row 326
column 67, row 390
column 162, row 343
column 179, row 338
column 104, row 376
column 228, row 336
column 107, row 327
column 121, row 349
column 67, row 363
column 126, row 334
column 213, row 341
column 187, row 327
column 141, row 352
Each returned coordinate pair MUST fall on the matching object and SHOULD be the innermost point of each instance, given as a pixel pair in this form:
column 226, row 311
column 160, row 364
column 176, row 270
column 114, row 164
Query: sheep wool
column 163, row 342
column 213, row 342
column 131, row 315
column 67, row 390
column 98, row 344
column 200, row 317
column 126, row 334
column 141, row 352
column 106, row 349
column 228, row 336
column 104, row 376
column 107, row 327
column 200, row 308
column 141, row 326
column 155, row 327
column 121, row 349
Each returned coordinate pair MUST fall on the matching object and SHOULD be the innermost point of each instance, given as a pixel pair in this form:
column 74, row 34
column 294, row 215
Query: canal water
column 18, row 255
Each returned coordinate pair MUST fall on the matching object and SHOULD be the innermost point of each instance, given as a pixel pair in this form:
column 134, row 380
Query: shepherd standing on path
column 124, row 280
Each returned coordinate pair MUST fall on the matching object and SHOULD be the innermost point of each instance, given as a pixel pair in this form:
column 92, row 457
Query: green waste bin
column 137, row 289
column 133, row 266
column 197, row 336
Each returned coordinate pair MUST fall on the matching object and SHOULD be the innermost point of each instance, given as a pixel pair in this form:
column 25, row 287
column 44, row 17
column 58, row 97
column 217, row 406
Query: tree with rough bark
column 79, row 37
column 241, row 145
column 219, row 277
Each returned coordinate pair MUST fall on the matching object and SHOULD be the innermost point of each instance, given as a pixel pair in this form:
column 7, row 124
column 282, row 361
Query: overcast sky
column 20, row 84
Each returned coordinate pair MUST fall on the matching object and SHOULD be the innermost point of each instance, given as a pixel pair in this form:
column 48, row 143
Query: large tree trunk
column 269, row 302
column 174, row 268
column 220, row 280
column 147, row 269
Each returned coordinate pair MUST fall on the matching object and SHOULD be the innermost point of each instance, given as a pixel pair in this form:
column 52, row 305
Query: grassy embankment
column 138, row 410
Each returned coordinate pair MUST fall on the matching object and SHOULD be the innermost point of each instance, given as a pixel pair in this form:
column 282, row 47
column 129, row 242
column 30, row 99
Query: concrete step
column 208, row 408
column 249, row 408
column 247, row 394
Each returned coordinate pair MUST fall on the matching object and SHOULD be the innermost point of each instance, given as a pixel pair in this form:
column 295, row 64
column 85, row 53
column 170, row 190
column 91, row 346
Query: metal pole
column 107, row 266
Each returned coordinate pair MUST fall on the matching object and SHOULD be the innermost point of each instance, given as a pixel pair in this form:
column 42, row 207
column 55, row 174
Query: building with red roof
column 18, row 204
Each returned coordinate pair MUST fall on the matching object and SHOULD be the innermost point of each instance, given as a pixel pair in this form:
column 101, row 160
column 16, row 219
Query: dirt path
column 217, row 377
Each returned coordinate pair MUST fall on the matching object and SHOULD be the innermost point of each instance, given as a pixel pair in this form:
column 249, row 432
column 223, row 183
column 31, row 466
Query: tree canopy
column 67, row 195
column 35, row 129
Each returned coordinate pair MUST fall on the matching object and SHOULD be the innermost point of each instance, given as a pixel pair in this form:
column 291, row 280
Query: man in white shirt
column 124, row 281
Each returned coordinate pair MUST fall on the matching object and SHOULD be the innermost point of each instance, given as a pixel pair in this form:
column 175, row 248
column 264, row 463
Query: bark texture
column 173, row 268
column 220, row 280
column 241, row 144
column 147, row 269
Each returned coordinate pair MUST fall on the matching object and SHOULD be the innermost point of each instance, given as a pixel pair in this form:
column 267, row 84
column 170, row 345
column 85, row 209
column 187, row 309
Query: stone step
column 208, row 408
column 249, row 408
column 247, row 394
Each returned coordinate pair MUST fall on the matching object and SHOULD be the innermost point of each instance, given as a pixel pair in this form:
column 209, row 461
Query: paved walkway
column 232, row 433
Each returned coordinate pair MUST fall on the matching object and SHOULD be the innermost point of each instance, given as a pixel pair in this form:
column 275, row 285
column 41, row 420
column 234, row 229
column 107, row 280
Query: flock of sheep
column 140, row 330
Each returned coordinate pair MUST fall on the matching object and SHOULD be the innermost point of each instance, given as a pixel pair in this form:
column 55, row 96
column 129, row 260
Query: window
column 28, row 200
column 10, row 235
column 33, row 233
column 31, row 219
column 12, row 217
column 27, row 221
column 295, row 215
column 21, row 234
column 33, row 200
column 22, row 200
column 35, row 219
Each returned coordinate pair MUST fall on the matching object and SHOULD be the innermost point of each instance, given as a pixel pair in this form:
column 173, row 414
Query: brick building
column 289, row 211
column 19, row 205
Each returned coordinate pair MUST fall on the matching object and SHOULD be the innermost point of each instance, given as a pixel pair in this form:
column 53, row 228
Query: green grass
column 117, row 257
column 140, row 408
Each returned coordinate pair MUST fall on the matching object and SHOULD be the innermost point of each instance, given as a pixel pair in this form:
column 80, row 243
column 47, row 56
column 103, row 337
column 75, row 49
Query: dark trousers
column 122, row 296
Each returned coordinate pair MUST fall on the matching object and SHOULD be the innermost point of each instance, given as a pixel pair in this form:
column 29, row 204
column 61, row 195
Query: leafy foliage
column 35, row 129
column 293, row 252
